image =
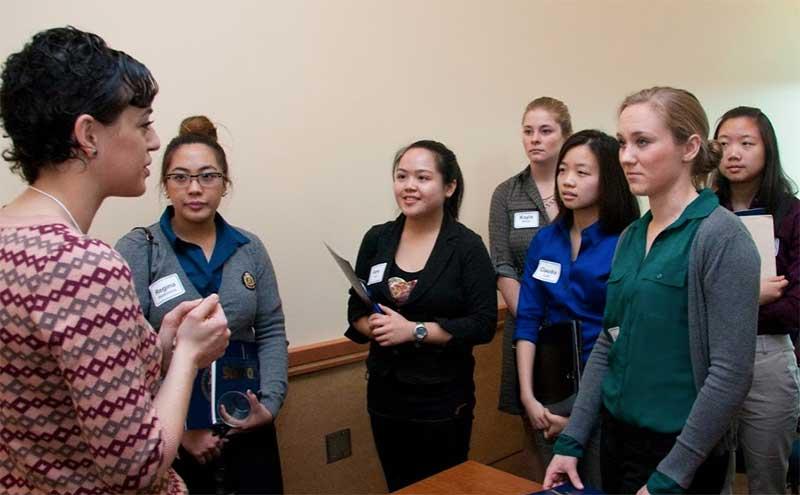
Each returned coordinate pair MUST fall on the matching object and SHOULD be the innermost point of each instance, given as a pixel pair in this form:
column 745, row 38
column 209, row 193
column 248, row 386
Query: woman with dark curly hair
column 84, row 405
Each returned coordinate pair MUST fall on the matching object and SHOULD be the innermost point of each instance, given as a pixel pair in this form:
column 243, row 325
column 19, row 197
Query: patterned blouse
column 79, row 368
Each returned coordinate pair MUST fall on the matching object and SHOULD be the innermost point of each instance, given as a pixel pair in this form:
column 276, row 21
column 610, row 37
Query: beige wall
column 315, row 96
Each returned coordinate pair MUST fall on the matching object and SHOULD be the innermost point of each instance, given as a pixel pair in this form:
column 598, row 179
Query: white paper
column 762, row 232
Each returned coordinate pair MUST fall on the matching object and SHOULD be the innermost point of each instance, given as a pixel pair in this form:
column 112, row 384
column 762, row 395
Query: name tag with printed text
column 166, row 288
column 376, row 273
column 547, row 271
column 526, row 219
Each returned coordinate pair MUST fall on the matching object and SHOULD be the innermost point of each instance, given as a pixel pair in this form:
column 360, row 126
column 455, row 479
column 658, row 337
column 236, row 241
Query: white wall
column 315, row 96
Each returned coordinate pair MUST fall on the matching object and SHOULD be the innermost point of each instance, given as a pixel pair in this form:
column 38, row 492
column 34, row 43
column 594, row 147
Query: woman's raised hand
column 203, row 333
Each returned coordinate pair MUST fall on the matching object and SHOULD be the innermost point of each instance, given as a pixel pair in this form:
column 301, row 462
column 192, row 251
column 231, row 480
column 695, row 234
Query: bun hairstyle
column 198, row 124
column 684, row 116
column 197, row 129
column 446, row 164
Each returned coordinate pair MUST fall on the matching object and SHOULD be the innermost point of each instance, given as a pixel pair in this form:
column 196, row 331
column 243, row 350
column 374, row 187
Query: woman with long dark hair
column 434, row 283
column 750, row 176
column 567, row 268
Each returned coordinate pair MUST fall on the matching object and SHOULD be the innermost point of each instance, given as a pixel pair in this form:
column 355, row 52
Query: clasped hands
column 542, row 419
column 390, row 328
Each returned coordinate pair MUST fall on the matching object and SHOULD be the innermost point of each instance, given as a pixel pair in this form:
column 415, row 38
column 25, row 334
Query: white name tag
column 547, row 271
column 376, row 273
column 613, row 332
column 166, row 288
column 526, row 219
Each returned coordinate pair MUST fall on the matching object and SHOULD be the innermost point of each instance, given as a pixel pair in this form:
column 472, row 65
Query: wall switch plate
column 337, row 445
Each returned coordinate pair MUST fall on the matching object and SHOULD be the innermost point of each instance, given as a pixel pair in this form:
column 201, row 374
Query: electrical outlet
column 337, row 445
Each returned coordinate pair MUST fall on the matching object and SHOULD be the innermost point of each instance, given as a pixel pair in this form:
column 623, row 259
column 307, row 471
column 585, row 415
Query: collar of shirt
column 591, row 235
column 756, row 203
column 700, row 207
column 228, row 239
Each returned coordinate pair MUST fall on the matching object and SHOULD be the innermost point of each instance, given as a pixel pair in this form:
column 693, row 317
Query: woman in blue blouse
column 568, row 263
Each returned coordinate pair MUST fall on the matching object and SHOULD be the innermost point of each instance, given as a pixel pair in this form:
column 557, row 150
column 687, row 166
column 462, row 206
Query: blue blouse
column 205, row 275
column 554, row 288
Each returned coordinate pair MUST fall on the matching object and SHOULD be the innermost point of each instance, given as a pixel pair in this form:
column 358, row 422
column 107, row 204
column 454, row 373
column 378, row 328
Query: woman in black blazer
column 435, row 284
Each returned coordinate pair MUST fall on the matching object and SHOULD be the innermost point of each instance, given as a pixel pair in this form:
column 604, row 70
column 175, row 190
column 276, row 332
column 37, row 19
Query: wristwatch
column 420, row 332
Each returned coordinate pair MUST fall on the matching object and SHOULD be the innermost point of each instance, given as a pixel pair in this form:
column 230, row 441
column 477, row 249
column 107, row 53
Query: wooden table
column 472, row 478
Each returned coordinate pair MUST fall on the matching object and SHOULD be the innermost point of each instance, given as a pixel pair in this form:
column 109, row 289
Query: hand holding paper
column 772, row 289
column 356, row 283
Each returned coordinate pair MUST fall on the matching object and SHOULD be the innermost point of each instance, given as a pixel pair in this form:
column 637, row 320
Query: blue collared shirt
column 554, row 288
column 205, row 275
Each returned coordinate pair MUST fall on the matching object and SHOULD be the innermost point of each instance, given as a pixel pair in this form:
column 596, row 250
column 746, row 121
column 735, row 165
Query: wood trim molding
column 327, row 354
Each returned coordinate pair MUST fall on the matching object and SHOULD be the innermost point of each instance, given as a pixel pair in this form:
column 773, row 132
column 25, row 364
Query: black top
column 456, row 289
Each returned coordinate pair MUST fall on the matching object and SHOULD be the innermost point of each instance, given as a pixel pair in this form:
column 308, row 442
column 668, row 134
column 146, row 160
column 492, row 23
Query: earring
column 93, row 152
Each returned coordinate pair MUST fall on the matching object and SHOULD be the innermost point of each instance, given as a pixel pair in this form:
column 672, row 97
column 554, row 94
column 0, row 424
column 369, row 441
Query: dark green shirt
column 650, row 382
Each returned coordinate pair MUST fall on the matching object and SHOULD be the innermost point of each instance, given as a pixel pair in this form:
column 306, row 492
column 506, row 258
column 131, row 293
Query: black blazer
column 456, row 289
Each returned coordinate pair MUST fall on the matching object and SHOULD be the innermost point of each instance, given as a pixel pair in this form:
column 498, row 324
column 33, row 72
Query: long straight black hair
column 617, row 206
column 775, row 184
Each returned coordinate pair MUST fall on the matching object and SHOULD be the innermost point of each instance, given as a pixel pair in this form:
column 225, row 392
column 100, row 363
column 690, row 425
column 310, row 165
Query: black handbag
column 557, row 366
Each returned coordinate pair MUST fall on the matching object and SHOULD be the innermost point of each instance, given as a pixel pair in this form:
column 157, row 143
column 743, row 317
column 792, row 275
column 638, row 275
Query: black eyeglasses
column 205, row 179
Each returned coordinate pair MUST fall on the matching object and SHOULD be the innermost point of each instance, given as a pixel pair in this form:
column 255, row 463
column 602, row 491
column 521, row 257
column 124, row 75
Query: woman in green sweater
column 674, row 360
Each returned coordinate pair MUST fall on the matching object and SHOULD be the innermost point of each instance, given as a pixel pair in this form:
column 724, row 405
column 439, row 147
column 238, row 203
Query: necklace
column 59, row 203
column 549, row 201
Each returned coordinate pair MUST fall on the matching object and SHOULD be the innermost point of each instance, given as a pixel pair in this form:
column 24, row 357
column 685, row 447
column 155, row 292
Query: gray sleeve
column 133, row 247
column 586, row 410
column 729, row 282
column 270, row 333
column 499, row 248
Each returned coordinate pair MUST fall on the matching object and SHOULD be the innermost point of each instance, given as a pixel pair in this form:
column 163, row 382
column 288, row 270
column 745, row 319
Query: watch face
column 420, row 332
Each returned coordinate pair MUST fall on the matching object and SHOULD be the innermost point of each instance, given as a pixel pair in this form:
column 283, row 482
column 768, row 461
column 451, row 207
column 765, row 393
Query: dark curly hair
column 60, row 74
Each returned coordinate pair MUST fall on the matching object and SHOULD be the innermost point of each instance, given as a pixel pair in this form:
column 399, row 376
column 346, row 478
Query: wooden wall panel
column 334, row 397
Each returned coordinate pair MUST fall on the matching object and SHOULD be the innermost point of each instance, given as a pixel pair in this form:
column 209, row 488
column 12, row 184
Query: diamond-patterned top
column 79, row 368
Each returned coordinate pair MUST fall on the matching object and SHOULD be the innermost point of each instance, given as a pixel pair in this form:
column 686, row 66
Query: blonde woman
column 674, row 360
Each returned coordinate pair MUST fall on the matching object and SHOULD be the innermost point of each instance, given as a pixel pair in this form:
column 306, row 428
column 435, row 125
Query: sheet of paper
column 762, row 232
column 348, row 271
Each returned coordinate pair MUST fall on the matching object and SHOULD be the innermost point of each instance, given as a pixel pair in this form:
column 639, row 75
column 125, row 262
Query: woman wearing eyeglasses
column 190, row 252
